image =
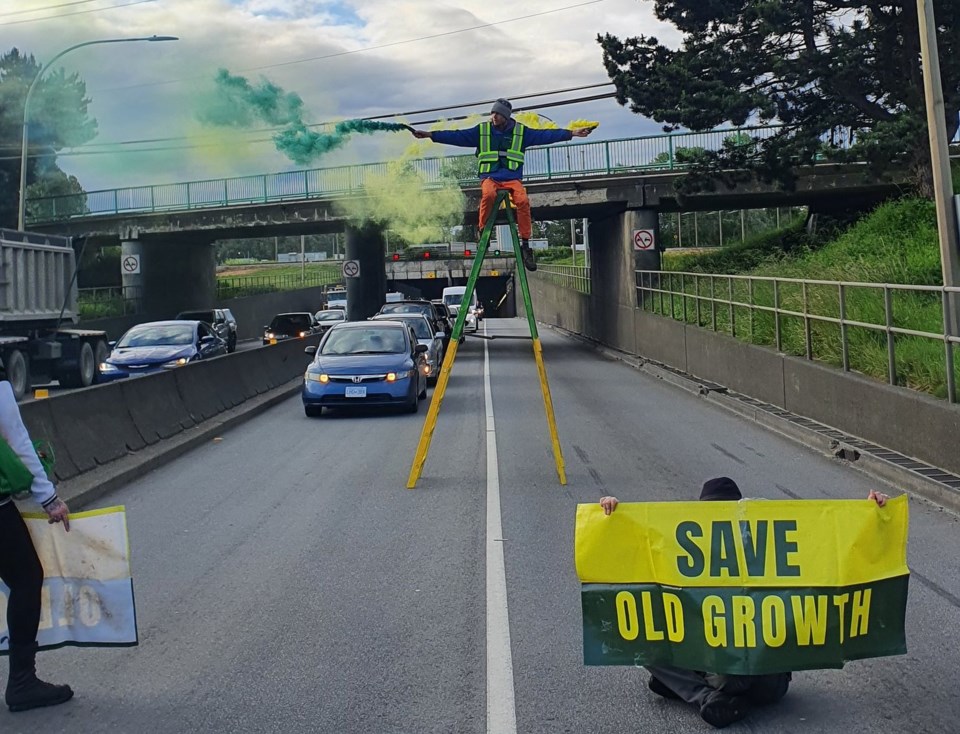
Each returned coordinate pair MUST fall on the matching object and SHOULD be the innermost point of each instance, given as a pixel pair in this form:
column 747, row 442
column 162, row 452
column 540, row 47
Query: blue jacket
column 470, row 138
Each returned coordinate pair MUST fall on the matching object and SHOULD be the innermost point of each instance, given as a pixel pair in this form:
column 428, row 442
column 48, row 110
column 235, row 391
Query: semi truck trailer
column 39, row 341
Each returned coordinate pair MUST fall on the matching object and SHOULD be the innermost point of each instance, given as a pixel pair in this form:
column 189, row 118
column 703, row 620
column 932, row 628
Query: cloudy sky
column 345, row 58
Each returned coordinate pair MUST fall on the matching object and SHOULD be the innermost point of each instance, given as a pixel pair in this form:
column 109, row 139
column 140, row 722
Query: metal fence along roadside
column 97, row 303
column 575, row 277
column 250, row 285
column 625, row 155
column 882, row 330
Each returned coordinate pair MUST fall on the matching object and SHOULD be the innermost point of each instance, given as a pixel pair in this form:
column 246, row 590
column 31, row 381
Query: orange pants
column 488, row 194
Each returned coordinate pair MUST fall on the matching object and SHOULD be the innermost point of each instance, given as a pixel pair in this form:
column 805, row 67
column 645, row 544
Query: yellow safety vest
column 488, row 157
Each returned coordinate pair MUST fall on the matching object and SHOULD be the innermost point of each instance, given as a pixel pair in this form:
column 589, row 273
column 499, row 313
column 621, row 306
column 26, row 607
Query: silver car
column 420, row 324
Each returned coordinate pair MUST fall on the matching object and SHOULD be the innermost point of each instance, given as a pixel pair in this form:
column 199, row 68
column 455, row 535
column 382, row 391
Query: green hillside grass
column 895, row 244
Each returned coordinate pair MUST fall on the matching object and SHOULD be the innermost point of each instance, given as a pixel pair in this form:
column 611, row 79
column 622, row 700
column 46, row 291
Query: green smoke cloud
column 238, row 104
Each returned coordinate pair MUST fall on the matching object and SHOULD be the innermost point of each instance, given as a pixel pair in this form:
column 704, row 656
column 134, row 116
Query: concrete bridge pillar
column 176, row 274
column 613, row 262
column 366, row 293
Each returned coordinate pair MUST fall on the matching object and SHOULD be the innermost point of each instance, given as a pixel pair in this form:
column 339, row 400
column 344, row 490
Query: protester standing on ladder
column 500, row 144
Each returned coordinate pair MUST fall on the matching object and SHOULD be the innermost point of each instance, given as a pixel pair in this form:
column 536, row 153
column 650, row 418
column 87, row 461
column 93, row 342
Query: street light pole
column 26, row 110
column 940, row 161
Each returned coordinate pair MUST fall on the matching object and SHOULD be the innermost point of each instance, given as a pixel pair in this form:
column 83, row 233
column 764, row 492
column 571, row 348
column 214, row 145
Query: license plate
column 352, row 391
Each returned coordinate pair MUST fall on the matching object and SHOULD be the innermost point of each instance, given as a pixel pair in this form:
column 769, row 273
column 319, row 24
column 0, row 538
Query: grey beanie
column 502, row 107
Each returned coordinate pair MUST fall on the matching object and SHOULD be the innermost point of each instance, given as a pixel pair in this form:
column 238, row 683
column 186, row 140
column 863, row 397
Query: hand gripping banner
column 746, row 587
column 87, row 597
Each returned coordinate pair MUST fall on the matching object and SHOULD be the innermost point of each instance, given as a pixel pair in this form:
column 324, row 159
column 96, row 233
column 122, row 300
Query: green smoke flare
column 238, row 104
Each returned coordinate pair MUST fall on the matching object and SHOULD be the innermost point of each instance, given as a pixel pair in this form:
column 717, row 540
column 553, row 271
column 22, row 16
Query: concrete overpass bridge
column 621, row 186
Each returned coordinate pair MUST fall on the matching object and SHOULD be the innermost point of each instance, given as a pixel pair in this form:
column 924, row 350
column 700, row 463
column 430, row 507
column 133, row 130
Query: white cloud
column 148, row 90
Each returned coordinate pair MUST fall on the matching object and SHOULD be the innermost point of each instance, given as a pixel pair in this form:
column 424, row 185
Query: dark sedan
column 295, row 325
column 159, row 345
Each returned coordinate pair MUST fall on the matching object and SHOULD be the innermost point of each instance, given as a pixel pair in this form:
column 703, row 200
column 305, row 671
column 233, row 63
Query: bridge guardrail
column 851, row 325
column 557, row 162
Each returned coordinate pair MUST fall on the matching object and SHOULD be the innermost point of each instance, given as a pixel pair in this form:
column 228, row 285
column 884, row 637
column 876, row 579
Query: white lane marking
column 501, row 709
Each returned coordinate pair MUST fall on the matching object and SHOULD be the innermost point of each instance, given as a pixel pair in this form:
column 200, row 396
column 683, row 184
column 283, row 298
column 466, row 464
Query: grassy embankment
column 897, row 244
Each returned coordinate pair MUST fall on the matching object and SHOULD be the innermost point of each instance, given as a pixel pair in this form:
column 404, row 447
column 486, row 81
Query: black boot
column 24, row 690
column 529, row 261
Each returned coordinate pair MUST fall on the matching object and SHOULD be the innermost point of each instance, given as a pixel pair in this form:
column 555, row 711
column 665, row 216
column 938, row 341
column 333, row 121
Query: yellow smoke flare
column 575, row 124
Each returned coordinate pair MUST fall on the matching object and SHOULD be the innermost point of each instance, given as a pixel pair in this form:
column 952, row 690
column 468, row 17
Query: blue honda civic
column 159, row 345
column 365, row 363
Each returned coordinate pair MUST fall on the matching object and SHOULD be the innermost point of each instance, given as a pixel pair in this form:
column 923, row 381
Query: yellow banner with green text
column 745, row 587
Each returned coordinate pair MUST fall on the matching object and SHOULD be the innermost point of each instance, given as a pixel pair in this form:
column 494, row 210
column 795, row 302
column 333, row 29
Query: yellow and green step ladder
column 502, row 202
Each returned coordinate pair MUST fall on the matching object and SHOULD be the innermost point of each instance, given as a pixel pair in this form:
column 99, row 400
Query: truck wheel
column 15, row 366
column 82, row 374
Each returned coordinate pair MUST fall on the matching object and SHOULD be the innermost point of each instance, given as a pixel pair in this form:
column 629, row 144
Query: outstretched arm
column 469, row 138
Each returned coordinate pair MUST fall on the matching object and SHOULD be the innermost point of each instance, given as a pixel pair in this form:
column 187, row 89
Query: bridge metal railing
column 882, row 330
column 623, row 155
column 251, row 285
column 574, row 277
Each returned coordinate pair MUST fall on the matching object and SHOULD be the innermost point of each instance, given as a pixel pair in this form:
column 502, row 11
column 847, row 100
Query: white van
column 337, row 298
column 453, row 297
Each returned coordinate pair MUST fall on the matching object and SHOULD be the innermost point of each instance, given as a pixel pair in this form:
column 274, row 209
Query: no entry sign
column 643, row 239
column 130, row 264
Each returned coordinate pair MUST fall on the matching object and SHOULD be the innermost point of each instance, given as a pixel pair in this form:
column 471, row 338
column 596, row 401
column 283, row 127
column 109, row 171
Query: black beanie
column 720, row 488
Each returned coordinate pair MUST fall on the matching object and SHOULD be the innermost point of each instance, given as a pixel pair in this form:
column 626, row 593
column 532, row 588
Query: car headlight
column 269, row 335
column 427, row 369
column 304, row 333
column 177, row 362
column 391, row 377
column 318, row 377
column 107, row 367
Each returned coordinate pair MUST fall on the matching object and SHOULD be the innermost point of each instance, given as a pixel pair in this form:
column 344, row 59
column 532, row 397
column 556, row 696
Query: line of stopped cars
column 387, row 360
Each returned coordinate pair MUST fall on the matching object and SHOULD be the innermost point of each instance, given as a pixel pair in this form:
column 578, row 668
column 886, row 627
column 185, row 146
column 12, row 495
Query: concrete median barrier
column 155, row 406
column 287, row 360
column 95, row 425
column 39, row 421
column 199, row 391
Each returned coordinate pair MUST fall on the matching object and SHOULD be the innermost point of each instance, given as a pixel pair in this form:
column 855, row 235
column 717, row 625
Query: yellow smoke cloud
column 403, row 200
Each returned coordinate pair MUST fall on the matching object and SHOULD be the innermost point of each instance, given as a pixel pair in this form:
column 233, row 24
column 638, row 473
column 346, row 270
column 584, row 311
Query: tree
column 58, row 119
column 833, row 73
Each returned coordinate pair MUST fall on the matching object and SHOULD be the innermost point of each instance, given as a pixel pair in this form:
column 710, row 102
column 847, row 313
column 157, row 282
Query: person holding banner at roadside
column 721, row 699
column 20, row 567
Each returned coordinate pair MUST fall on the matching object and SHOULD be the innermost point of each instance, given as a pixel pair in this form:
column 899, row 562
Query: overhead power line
column 78, row 153
column 79, row 12
column 46, row 7
column 365, row 49
column 371, row 117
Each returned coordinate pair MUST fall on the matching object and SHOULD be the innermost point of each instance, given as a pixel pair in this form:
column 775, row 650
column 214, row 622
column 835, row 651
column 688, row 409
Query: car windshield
column 151, row 335
column 364, row 341
column 420, row 327
column 290, row 322
column 329, row 316
column 197, row 316
column 453, row 299
column 405, row 308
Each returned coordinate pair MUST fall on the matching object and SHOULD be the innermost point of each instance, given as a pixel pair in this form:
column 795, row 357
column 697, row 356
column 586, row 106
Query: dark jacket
column 470, row 138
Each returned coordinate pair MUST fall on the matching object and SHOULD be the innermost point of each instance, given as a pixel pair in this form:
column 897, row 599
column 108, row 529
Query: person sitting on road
column 721, row 699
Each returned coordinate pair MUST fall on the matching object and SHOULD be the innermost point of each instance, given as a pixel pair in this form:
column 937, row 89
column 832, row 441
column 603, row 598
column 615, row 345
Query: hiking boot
column 526, row 252
column 721, row 710
column 661, row 689
column 24, row 690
